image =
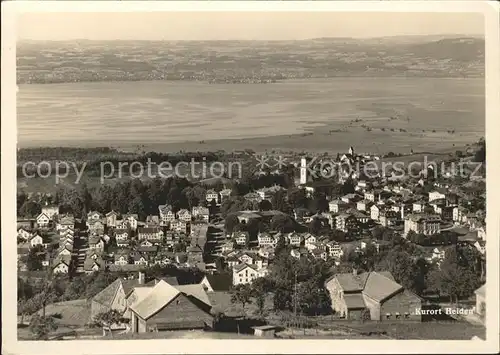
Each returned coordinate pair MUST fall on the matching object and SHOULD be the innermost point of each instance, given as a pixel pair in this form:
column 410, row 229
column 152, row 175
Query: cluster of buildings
column 113, row 241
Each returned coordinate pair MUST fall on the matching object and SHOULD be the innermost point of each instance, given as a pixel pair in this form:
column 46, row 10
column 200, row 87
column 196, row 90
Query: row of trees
column 428, row 240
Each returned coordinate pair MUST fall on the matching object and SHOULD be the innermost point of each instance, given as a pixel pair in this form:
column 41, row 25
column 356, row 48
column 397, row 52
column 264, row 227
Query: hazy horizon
column 216, row 26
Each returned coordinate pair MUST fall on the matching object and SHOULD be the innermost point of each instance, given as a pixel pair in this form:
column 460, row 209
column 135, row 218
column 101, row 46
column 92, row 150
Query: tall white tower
column 303, row 171
column 351, row 150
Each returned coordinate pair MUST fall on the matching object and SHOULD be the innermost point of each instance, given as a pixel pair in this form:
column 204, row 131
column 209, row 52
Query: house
column 346, row 223
column 184, row 215
column 438, row 205
column 50, row 211
column 422, row 223
column 437, row 195
column 165, row 307
column 61, row 266
column 201, row 213
column 121, row 257
column 96, row 242
column 179, row 226
column 437, row 255
column 336, row 206
column 266, row 252
column 310, row 240
column 372, row 195
column 132, row 220
column 65, row 222
column 212, row 195
column 35, row 239
column 266, row 239
column 149, row 233
column 122, row 243
column 373, row 293
column 152, row 221
column 375, row 212
column 226, row 247
column 217, row 282
column 361, row 217
column 364, row 205
column 480, row 300
column 140, row 259
column 114, row 296
column 92, row 264
column 459, row 214
column 111, row 218
column 42, row 220
column 480, row 246
column 418, row 206
column 320, row 253
column 246, row 258
column 334, row 250
column 349, row 198
column 388, row 218
column 294, row 239
column 481, row 233
column 121, row 233
column 23, row 234
column 244, row 274
column 241, row 238
column 225, row 194
column 94, row 216
column 95, row 226
column 253, row 197
column 167, row 215
column 362, row 185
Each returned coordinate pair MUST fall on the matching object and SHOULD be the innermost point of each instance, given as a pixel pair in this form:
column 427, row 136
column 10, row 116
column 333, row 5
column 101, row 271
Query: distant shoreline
column 263, row 82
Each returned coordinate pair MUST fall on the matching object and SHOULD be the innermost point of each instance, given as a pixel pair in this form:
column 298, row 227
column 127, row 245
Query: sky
column 240, row 25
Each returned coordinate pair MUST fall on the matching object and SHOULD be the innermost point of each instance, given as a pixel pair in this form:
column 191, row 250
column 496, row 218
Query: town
column 276, row 253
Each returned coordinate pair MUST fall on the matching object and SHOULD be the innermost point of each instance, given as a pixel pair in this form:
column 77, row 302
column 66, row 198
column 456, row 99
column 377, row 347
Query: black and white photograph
column 226, row 171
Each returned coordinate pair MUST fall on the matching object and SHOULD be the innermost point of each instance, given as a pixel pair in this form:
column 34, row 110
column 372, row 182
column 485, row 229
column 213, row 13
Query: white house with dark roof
column 50, row 211
column 111, row 218
column 43, row 220
column 167, row 214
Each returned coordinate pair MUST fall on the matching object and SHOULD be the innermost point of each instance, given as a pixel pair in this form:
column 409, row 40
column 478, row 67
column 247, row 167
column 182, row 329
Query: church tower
column 351, row 151
column 303, row 171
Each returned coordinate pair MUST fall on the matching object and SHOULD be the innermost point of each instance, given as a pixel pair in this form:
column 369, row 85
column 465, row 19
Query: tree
column 315, row 226
column 260, row 287
column 297, row 198
column 348, row 187
column 405, row 271
column 231, row 224
column 42, row 326
column 280, row 245
column 282, row 223
column 35, row 258
column 480, row 155
column 455, row 279
column 319, row 204
column 279, row 202
column 30, row 209
column 241, row 294
column 265, row 205
column 109, row 318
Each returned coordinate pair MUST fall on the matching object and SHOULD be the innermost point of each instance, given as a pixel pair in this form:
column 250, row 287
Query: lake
column 152, row 112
